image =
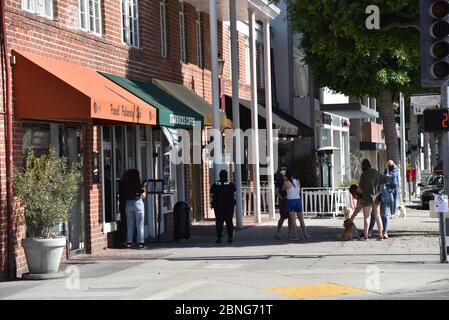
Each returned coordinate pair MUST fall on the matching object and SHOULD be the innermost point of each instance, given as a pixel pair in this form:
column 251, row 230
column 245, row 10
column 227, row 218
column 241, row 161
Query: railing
column 325, row 201
column 248, row 196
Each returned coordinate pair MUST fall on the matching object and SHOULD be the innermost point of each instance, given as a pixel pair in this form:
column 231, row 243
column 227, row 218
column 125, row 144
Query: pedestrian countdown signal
column 436, row 119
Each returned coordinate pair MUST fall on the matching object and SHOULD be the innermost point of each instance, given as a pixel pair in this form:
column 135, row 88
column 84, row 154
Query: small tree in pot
column 46, row 188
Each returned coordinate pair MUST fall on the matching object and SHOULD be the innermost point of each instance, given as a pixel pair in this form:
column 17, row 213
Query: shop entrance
column 68, row 141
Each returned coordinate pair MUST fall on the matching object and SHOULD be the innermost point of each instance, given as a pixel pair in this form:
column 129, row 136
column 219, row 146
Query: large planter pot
column 43, row 255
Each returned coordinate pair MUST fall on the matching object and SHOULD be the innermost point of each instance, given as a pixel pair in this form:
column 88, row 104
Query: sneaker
column 385, row 235
column 364, row 238
column 129, row 245
column 141, row 246
column 380, row 238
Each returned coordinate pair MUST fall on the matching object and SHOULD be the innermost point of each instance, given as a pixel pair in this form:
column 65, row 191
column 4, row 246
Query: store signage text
column 176, row 119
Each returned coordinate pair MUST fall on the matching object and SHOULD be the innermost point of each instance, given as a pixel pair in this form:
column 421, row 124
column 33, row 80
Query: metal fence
column 325, row 201
column 248, row 195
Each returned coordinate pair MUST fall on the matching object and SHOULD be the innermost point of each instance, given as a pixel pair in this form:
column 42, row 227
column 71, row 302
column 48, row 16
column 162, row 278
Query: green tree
column 347, row 57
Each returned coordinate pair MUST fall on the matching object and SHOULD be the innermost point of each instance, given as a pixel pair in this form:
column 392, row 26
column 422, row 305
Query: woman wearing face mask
column 392, row 186
column 281, row 194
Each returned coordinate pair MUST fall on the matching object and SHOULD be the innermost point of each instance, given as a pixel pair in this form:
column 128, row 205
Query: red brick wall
column 61, row 39
column 3, row 223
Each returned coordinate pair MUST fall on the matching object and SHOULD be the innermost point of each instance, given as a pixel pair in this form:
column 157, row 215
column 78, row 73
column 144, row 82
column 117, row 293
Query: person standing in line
column 292, row 188
column 223, row 202
column 281, row 194
column 135, row 192
column 392, row 185
column 370, row 180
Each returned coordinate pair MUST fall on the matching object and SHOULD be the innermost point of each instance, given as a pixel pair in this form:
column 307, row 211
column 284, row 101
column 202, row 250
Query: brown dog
column 350, row 231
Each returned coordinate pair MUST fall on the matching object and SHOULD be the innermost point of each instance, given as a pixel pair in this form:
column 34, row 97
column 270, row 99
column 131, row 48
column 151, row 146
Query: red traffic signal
column 436, row 119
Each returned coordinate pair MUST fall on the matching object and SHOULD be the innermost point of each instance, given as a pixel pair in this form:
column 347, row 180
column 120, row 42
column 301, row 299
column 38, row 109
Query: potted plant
column 46, row 189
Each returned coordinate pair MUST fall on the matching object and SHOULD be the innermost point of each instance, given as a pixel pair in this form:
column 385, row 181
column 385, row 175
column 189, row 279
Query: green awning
column 171, row 111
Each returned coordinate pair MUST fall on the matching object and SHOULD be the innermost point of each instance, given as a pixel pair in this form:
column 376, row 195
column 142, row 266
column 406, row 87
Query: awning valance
column 286, row 124
column 193, row 100
column 171, row 111
column 50, row 89
column 353, row 110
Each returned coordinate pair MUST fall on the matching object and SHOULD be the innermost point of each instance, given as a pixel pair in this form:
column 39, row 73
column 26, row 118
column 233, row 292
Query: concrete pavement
column 257, row 266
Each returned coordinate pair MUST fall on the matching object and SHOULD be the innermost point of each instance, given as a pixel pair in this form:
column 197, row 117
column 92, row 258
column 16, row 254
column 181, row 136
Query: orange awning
column 49, row 89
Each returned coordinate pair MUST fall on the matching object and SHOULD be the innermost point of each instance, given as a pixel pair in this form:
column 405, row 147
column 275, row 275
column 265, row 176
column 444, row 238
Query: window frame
column 199, row 41
column 32, row 8
column 182, row 33
column 87, row 17
column 163, row 26
column 247, row 62
column 125, row 17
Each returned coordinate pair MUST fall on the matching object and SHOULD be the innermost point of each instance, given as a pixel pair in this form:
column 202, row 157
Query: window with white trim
column 43, row 8
column 247, row 63
column 261, row 67
column 130, row 22
column 163, row 16
column 90, row 15
column 182, row 33
column 199, row 41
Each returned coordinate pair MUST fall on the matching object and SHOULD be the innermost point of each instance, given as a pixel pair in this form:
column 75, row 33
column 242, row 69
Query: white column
column 215, row 93
column 236, row 111
column 254, row 111
column 268, row 115
column 403, row 153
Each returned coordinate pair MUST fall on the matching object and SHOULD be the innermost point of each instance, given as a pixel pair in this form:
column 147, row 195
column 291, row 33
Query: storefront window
column 168, row 169
column 131, row 146
column 326, row 138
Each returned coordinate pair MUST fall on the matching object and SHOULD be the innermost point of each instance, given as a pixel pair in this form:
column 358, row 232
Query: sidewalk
column 257, row 266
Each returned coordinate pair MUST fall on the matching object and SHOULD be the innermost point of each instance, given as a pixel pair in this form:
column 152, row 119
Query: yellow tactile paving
column 315, row 291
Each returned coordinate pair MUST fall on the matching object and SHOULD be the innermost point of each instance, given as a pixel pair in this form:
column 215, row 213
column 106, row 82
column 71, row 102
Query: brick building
column 133, row 43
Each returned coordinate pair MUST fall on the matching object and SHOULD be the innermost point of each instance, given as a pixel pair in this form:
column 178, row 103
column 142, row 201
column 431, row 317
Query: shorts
column 283, row 208
column 294, row 205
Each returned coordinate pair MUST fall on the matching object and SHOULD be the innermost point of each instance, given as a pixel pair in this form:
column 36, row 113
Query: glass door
column 73, row 149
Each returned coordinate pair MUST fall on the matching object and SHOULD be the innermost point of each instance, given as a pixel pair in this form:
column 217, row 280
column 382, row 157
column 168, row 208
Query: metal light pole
column 403, row 154
column 445, row 147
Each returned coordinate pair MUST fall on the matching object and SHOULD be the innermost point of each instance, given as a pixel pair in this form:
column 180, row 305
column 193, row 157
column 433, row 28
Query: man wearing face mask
column 282, row 201
column 223, row 202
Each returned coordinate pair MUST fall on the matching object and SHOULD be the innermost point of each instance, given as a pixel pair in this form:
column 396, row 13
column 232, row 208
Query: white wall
column 282, row 56
column 330, row 97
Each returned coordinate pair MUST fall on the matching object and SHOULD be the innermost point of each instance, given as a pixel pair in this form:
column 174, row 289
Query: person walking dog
column 223, row 202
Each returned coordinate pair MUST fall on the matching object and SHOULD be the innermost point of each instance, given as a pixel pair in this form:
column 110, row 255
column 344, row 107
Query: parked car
column 434, row 185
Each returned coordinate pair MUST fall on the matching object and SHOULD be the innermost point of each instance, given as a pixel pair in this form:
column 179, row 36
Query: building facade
column 129, row 46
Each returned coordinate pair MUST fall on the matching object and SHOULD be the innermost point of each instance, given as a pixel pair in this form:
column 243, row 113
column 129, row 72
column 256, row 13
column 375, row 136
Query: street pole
column 236, row 112
column 403, row 155
column 445, row 147
column 215, row 93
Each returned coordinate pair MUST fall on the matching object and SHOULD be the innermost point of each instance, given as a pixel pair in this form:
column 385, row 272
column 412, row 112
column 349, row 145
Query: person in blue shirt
column 392, row 186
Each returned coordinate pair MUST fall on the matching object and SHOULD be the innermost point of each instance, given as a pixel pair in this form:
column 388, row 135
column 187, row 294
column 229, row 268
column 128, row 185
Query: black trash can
column 181, row 223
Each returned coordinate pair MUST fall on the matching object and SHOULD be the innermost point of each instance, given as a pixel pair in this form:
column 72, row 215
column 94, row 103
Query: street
column 257, row 266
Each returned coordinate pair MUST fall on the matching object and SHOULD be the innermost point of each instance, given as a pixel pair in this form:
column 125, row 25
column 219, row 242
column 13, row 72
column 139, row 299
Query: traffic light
column 434, row 27
column 436, row 119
